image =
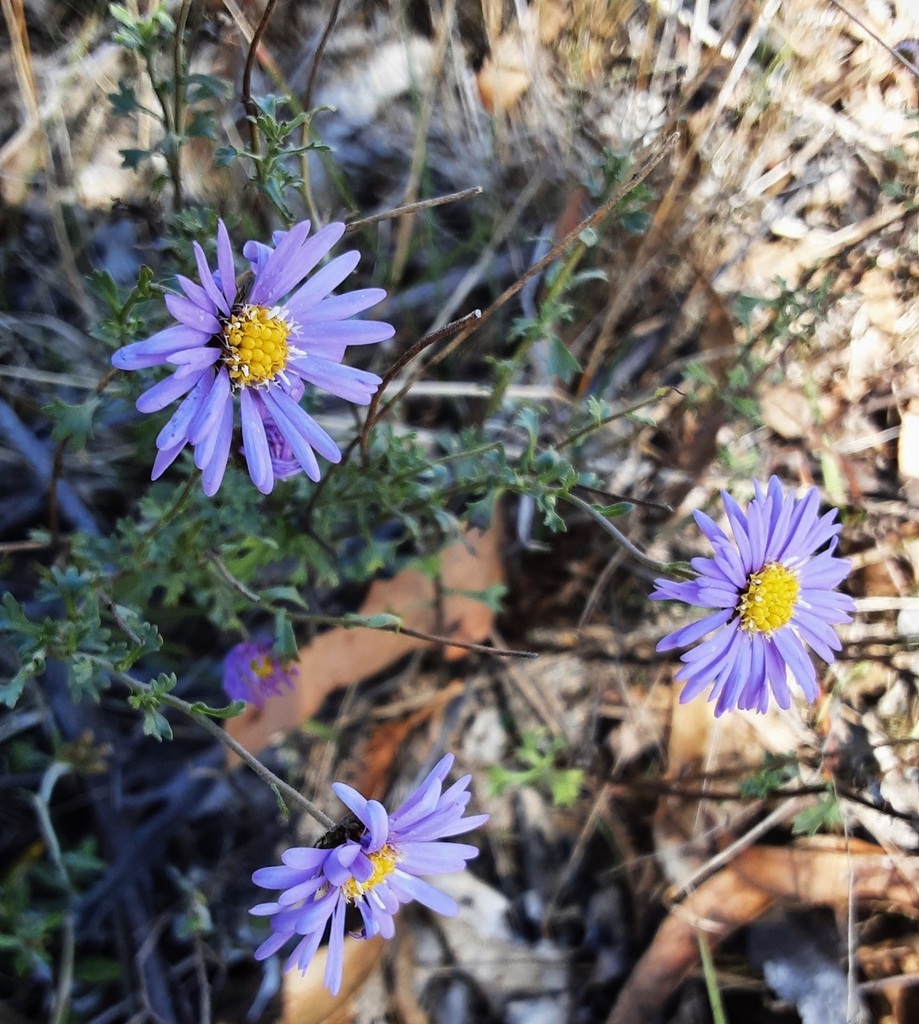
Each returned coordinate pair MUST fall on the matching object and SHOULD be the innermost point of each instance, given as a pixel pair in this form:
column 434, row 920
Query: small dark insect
column 349, row 827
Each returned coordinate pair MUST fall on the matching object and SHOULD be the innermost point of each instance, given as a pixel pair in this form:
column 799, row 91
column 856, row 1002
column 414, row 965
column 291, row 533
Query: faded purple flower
column 253, row 674
column 773, row 591
column 372, row 860
column 259, row 348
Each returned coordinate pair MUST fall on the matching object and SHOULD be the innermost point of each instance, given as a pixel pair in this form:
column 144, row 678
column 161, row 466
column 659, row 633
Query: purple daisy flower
column 258, row 347
column 253, row 674
column 372, row 860
column 773, row 588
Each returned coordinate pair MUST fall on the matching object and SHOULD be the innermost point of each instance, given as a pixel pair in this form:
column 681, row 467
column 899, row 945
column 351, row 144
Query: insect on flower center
column 255, row 343
column 769, row 600
column 384, row 863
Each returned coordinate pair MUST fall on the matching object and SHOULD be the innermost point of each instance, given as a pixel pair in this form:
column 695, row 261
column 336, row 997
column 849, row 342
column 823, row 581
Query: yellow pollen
column 769, row 600
column 255, row 339
column 384, row 863
column 261, row 666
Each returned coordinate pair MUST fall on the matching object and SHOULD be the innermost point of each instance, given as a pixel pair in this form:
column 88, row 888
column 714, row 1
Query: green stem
column 711, row 981
column 42, row 800
column 668, row 568
column 178, row 114
column 268, row 776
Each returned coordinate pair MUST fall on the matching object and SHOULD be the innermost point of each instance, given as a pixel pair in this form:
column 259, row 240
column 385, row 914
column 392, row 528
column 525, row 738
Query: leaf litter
column 793, row 181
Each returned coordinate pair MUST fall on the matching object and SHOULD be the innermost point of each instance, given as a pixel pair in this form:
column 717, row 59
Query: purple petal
column 186, row 312
column 305, row 858
column 212, row 409
column 282, row 269
column 255, row 442
column 176, row 430
column 347, row 382
column 339, row 307
column 335, row 958
column 423, row 892
column 166, row 391
column 216, row 296
column 212, row 476
column 435, row 858
column 689, row 634
column 156, row 349
column 225, row 265
column 165, row 458
column 321, row 283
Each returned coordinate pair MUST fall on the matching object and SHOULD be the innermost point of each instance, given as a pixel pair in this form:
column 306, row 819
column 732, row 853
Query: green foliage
column 540, row 753
column 183, row 99
column 823, row 816
column 277, row 168
column 774, row 774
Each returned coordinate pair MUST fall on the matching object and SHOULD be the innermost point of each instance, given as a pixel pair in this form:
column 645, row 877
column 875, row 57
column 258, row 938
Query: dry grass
column 797, row 159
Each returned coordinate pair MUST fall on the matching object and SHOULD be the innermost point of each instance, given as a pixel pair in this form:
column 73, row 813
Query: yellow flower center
column 384, row 863
column 769, row 600
column 255, row 339
column 262, row 666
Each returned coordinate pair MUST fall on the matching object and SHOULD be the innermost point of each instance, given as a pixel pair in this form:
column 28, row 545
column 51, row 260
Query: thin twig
column 208, row 725
column 317, row 57
column 247, row 101
column 307, row 105
column 657, row 153
column 422, row 204
column 351, row 622
column 890, row 49
column 404, row 360
column 178, row 98
column 218, row 564
column 650, row 563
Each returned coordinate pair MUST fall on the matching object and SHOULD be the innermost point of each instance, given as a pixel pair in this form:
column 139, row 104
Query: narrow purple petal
column 218, row 299
column 347, row 382
column 335, row 959
column 165, row 458
column 176, row 430
column 303, row 424
column 166, row 391
column 322, row 283
column 186, row 312
column 689, row 634
column 282, row 269
column 212, row 475
column 157, row 349
column 255, row 442
column 339, row 307
column 225, row 266
column 351, row 332
column 305, row 858
column 212, row 409
column 423, row 892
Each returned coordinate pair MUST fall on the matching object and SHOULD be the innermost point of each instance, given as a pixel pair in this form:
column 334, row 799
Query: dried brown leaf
column 342, row 656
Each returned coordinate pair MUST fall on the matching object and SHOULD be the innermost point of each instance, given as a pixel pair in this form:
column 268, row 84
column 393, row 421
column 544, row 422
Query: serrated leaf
column 73, row 422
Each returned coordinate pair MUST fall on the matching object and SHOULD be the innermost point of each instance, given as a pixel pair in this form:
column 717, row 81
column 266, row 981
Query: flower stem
column 268, row 776
column 669, row 568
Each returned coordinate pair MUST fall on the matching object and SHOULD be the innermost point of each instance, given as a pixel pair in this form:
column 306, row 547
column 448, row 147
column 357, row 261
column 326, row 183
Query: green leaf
column 74, row 422
column 232, row 710
column 124, row 102
column 824, row 816
column 131, row 159
column 285, row 641
column 383, row 620
column 562, row 363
